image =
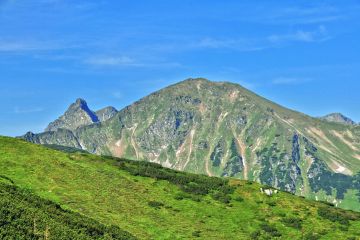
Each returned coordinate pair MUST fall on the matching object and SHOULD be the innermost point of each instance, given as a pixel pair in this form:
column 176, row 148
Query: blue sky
column 301, row 54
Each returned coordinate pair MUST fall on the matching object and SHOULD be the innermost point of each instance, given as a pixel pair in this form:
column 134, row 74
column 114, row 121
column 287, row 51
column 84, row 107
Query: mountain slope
column 152, row 202
column 338, row 118
column 222, row 129
column 24, row 215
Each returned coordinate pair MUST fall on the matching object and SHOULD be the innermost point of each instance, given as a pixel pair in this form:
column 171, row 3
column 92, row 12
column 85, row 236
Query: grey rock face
column 338, row 118
column 77, row 115
column 106, row 113
column 63, row 137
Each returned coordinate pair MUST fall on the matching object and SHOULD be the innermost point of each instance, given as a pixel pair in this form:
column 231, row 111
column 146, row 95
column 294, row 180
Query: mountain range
column 222, row 129
column 70, row 194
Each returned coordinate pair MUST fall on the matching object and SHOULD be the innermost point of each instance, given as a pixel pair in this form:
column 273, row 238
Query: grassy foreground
column 151, row 202
column 24, row 215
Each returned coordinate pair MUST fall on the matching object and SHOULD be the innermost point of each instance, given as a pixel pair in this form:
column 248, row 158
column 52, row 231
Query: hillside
column 152, row 202
column 222, row 129
column 24, row 215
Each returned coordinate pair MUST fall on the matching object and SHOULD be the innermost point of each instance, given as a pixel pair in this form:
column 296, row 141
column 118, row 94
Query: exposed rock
column 77, row 115
column 194, row 125
column 269, row 192
column 338, row 118
column 106, row 113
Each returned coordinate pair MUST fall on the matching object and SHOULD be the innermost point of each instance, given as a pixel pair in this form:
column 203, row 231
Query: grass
column 109, row 191
column 26, row 216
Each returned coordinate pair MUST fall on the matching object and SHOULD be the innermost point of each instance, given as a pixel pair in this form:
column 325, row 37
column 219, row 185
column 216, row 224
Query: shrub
column 312, row 236
column 271, row 204
column 189, row 183
column 270, row 230
column 336, row 215
column 196, row 234
column 255, row 235
column 292, row 222
column 239, row 199
column 155, row 204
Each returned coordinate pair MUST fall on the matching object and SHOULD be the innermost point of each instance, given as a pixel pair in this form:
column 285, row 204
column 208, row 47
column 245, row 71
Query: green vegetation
column 222, row 129
column 194, row 184
column 24, row 215
column 151, row 202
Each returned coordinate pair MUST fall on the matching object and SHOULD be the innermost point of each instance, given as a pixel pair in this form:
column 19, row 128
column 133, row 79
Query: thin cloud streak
column 125, row 61
column 290, row 81
column 318, row 35
column 111, row 61
column 29, row 46
column 18, row 110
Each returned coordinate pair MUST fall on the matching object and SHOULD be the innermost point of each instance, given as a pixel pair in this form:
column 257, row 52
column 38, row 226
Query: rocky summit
column 222, row 129
column 77, row 115
column 338, row 118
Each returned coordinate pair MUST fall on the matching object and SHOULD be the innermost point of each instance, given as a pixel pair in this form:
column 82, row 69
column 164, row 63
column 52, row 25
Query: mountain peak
column 80, row 101
column 106, row 113
column 338, row 118
column 78, row 114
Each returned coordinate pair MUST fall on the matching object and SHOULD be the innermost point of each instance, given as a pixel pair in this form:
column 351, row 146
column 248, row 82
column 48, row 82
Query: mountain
column 79, row 115
column 338, row 118
column 106, row 113
column 223, row 129
column 103, row 195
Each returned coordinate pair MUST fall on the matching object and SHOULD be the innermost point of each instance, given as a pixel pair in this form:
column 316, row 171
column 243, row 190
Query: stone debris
column 269, row 192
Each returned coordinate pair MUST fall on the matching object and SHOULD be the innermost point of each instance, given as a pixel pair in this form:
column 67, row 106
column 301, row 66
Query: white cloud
column 11, row 45
column 124, row 61
column 111, row 61
column 316, row 14
column 289, row 81
column 117, row 95
column 318, row 35
column 18, row 110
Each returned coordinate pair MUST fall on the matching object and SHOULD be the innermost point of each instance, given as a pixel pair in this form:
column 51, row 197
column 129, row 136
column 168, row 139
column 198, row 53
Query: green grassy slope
column 152, row 202
column 24, row 215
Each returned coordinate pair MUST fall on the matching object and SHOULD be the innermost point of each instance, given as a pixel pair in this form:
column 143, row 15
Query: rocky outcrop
column 338, row 118
column 106, row 113
column 77, row 115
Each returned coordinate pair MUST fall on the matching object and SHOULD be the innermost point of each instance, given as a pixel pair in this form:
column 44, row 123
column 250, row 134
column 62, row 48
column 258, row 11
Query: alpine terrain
column 222, row 129
column 69, row 194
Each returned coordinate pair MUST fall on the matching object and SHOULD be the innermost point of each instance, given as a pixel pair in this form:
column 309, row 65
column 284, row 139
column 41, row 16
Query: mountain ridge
column 152, row 202
column 223, row 129
column 338, row 118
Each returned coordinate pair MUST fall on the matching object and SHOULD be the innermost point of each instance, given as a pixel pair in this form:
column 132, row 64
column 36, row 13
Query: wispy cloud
column 289, row 81
column 300, row 15
column 18, row 110
column 31, row 45
column 125, row 61
column 238, row 44
column 318, row 35
column 111, row 61
column 117, row 95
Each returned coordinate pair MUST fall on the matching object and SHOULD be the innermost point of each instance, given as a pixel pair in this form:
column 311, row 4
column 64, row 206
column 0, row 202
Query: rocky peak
column 338, row 118
column 77, row 115
column 106, row 113
column 80, row 103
